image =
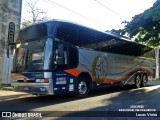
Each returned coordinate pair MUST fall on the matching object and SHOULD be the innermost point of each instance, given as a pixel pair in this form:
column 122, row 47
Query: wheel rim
column 82, row 87
column 138, row 81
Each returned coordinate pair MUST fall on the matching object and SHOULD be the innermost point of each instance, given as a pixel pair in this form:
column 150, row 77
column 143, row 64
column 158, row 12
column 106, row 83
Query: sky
column 98, row 14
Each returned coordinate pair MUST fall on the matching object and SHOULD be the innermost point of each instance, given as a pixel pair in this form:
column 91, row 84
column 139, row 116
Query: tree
column 37, row 14
column 144, row 27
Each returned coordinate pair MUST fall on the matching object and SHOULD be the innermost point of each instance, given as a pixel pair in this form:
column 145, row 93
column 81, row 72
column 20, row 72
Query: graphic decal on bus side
column 61, row 80
column 26, row 76
column 99, row 69
column 74, row 72
column 100, row 72
column 18, row 76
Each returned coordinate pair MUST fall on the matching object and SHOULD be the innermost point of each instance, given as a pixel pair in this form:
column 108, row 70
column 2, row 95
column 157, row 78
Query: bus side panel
column 126, row 67
column 149, row 65
column 100, row 67
column 64, row 81
column 108, row 69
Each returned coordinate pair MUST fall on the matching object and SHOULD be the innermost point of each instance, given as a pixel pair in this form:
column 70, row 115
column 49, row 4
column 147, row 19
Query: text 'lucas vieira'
column 146, row 114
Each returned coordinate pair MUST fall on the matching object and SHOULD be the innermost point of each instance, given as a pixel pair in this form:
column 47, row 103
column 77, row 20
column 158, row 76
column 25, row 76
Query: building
column 10, row 12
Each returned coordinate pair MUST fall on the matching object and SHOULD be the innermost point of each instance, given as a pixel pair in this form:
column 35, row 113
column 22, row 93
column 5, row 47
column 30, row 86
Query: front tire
column 82, row 88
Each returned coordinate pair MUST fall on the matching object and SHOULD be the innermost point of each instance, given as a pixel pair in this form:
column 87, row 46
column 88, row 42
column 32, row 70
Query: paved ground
column 7, row 94
column 96, row 105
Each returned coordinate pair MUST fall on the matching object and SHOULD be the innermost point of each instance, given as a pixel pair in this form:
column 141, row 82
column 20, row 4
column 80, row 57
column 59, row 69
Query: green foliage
column 26, row 23
column 144, row 27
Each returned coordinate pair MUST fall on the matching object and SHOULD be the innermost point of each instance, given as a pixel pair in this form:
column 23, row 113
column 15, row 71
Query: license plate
column 26, row 88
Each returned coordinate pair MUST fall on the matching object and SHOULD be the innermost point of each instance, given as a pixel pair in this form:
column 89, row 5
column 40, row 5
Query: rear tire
column 82, row 88
column 138, row 81
column 144, row 80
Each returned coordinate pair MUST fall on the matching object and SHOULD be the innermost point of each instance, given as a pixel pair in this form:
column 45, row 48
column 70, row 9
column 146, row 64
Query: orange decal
column 127, row 75
column 110, row 81
column 16, row 75
column 74, row 72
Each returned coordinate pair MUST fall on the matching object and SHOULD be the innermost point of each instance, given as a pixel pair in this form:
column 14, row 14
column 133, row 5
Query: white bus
column 59, row 57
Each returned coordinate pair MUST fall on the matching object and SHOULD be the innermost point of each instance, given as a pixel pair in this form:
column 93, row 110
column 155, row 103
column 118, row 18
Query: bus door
column 65, row 60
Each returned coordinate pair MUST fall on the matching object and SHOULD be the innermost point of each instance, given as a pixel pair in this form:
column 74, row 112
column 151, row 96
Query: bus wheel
column 82, row 88
column 144, row 80
column 138, row 81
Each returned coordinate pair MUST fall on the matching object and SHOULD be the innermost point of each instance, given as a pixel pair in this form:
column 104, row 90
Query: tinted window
column 73, row 57
column 65, row 55
column 88, row 38
column 35, row 31
column 67, row 32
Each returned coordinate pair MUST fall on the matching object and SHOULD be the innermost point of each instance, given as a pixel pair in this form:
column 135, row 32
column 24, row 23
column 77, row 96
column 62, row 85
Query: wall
column 10, row 11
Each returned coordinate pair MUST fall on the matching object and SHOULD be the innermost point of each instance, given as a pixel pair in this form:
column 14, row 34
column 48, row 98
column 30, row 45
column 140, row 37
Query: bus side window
column 65, row 56
column 73, row 57
column 61, row 55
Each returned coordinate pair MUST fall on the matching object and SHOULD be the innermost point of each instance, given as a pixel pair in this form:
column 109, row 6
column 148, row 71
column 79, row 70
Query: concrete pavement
column 7, row 88
column 7, row 93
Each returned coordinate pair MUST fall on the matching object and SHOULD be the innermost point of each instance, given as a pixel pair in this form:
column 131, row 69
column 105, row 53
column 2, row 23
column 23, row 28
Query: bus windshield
column 34, row 55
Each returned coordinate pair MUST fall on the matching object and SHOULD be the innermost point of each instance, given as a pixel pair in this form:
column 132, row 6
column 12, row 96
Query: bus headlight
column 14, row 80
column 42, row 80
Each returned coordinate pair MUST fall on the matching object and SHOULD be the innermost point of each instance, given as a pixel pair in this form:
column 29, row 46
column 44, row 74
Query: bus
column 60, row 57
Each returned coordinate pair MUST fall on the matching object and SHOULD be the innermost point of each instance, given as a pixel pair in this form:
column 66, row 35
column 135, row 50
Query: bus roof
column 87, row 37
column 77, row 24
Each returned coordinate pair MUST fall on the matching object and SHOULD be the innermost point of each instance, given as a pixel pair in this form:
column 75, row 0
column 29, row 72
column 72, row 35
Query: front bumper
column 34, row 88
